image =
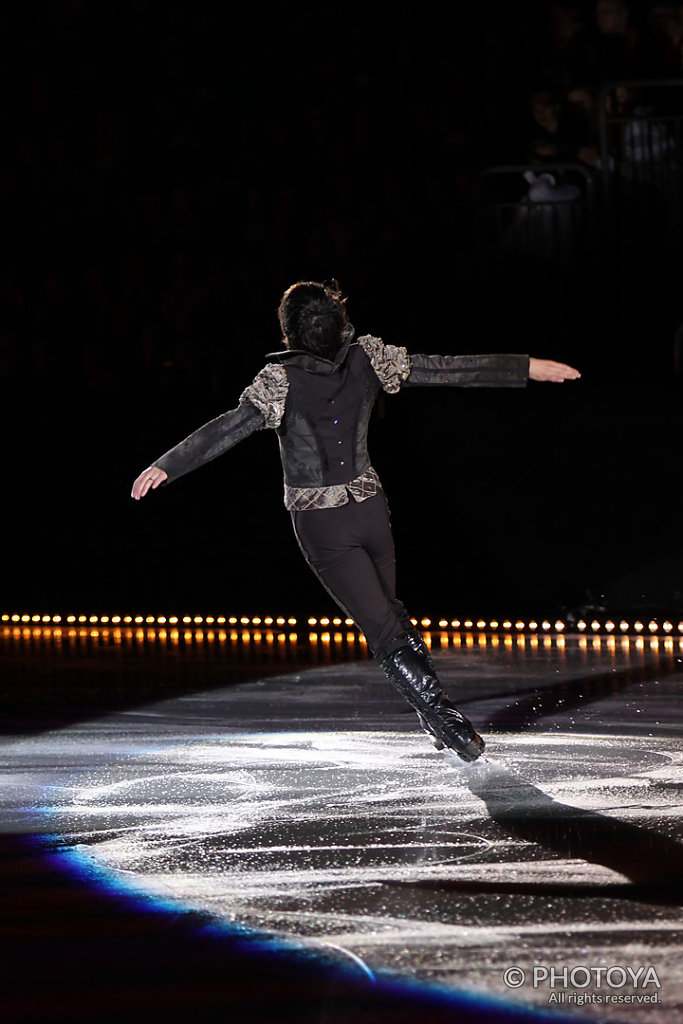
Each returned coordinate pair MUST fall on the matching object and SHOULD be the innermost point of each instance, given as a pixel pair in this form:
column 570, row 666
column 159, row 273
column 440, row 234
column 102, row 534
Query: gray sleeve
column 490, row 371
column 211, row 440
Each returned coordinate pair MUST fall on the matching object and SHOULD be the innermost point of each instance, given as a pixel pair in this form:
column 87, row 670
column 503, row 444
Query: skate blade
column 472, row 752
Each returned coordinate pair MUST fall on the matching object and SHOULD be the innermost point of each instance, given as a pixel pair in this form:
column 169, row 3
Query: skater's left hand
column 149, row 478
column 546, row 369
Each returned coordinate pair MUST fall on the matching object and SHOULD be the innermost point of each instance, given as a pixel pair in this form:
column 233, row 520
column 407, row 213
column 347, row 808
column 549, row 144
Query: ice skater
column 318, row 394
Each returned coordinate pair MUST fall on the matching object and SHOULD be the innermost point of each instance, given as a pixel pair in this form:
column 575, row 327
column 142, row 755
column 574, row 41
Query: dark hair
column 313, row 317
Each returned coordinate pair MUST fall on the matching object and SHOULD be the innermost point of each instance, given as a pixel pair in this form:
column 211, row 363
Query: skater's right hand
column 149, row 478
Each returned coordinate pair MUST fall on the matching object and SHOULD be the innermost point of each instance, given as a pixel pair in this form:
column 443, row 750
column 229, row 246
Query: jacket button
column 335, row 421
column 341, row 462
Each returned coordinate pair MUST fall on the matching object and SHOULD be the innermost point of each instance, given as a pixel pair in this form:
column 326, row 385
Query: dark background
column 171, row 167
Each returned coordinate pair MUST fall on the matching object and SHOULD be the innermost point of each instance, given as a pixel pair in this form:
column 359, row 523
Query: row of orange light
column 161, row 620
column 251, row 636
column 162, row 633
column 245, row 621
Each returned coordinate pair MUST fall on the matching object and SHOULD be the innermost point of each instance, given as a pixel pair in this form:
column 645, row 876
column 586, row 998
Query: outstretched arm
column 396, row 368
column 262, row 404
column 200, row 447
column 475, row 371
column 511, row 371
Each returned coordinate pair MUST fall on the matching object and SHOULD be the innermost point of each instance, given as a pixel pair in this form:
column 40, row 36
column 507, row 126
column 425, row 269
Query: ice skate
column 411, row 671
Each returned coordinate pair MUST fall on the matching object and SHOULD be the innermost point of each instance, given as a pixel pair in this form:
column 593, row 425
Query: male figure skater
column 318, row 394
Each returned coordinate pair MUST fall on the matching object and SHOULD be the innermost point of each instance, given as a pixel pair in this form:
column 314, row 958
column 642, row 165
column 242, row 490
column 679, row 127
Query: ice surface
column 331, row 821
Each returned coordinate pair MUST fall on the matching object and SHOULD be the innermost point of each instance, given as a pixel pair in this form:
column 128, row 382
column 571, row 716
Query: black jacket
column 321, row 408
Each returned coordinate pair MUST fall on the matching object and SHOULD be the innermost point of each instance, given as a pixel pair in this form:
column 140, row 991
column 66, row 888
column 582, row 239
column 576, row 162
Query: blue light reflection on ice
column 80, row 868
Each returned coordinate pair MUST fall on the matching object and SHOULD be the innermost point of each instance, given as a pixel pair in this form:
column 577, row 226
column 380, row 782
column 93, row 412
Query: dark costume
column 320, row 409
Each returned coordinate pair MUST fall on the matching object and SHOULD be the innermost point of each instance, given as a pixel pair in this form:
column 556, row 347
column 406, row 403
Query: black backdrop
column 171, row 168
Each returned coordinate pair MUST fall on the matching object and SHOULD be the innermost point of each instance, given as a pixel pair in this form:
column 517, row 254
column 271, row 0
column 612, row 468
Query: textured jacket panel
column 488, row 371
column 211, row 440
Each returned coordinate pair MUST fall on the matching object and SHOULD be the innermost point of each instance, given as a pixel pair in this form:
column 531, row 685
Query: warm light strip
column 320, row 641
column 318, row 624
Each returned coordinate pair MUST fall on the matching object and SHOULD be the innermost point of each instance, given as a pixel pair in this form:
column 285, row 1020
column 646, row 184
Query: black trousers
column 351, row 551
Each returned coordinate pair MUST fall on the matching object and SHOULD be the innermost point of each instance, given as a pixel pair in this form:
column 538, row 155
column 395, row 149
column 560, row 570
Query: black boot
column 411, row 670
column 416, row 641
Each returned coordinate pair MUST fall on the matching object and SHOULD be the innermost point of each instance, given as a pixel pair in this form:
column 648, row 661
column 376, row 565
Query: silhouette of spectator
column 665, row 40
column 583, row 110
column 618, row 50
column 553, row 135
column 570, row 55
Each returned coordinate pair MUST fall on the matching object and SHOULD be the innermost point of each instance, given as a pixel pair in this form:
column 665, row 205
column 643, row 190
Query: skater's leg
column 413, row 671
column 351, row 551
column 380, row 545
column 332, row 541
